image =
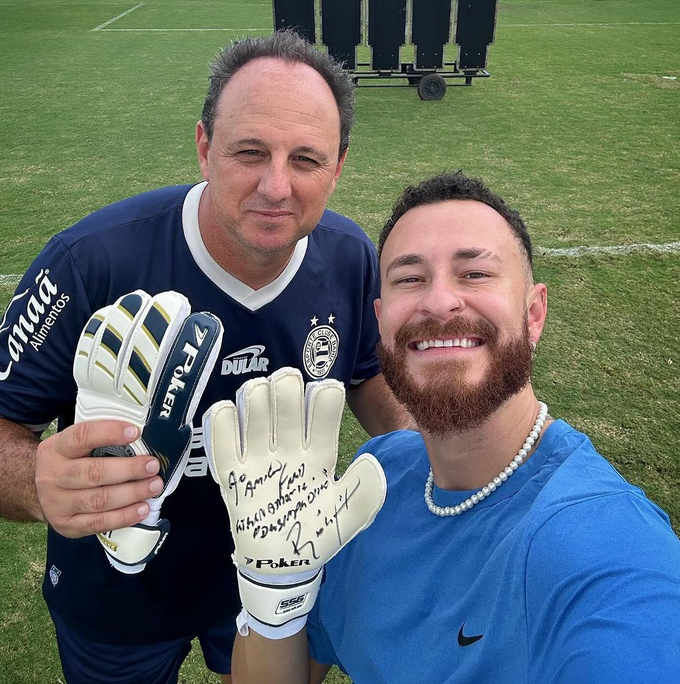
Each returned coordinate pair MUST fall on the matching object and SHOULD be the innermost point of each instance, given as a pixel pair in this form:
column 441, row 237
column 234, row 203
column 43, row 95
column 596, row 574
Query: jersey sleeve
column 367, row 364
column 38, row 335
column 320, row 647
column 603, row 594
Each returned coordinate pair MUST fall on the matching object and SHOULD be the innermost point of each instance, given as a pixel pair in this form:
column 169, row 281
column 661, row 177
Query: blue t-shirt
column 316, row 316
column 565, row 574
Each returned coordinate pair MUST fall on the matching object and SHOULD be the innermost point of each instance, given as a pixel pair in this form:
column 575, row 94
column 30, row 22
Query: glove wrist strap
column 273, row 604
column 245, row 622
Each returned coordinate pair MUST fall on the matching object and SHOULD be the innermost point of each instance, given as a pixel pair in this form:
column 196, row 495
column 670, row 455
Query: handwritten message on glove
column 274, row 455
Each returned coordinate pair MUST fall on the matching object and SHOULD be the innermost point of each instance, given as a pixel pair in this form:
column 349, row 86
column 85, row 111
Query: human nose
column 441, row 300
column 275, row 183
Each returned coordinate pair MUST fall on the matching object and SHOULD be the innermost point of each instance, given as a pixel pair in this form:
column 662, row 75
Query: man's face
column 457, row 314
column 273, row 162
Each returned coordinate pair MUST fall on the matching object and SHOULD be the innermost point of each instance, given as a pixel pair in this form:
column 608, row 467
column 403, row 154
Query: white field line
column 110, row 21
column 642, row 248
column 161, row 30
column 164, row 30
column 618, row 23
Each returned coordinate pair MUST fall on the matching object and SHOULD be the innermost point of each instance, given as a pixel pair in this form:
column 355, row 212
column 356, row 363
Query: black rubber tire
column 432, row 87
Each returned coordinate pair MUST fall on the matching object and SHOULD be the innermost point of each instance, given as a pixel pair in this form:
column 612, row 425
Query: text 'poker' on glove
column 274, row 456
column 146, row 360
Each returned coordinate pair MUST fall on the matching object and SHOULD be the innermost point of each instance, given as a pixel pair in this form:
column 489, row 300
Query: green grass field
column 578, row 128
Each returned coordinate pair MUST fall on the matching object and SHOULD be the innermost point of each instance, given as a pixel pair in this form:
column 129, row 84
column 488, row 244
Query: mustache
column 457, row 327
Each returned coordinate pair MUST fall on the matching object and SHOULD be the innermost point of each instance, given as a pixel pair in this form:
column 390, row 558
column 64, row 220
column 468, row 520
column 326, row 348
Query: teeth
column 457, row 342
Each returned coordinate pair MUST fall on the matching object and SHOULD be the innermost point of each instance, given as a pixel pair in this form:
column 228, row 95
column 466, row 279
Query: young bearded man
column 507, row 549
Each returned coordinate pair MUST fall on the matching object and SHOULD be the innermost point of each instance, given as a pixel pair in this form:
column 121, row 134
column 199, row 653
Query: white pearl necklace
column 497, row 481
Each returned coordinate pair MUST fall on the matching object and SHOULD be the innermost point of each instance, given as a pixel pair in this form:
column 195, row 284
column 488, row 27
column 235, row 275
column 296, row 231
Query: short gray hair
column 290, row 47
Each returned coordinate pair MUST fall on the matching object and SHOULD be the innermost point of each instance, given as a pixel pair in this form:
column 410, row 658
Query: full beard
column 446, row 402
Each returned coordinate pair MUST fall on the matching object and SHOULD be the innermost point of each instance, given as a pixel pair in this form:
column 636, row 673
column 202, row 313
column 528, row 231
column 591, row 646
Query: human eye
column 304, row 160
column 476, row 275
column 407, row 280
column 249, row 153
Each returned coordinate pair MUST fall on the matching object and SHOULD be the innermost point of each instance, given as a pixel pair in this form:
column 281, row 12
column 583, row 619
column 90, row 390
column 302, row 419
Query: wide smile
column 440, row 343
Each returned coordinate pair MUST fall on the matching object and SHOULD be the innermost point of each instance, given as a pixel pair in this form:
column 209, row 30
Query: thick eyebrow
column 405, row 260
column 474, row 253
column 467, row 253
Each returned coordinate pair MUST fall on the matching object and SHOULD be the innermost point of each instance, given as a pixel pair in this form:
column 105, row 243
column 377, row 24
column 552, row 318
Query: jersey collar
column 242, row 293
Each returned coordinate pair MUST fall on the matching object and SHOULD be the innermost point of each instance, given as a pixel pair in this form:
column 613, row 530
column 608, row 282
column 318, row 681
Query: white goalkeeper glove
column 146, row 360
column 274, row 458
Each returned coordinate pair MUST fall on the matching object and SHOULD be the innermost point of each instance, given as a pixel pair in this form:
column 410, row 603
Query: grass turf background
column 578, row 128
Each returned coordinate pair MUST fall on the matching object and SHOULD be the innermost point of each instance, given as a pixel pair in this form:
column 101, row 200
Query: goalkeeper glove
column 146, row 360
column 274, row 457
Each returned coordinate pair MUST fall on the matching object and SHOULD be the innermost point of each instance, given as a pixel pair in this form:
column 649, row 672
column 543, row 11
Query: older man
column 293, row 284
column 507, row 549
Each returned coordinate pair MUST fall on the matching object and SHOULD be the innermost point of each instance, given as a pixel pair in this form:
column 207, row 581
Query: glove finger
column 156, row 330
column 254, row 410
column 84, row 361
column 325, row 402
column 288, row 409
column 359, row 495
column 222, row 441
column 129, row 341
column 104, row 344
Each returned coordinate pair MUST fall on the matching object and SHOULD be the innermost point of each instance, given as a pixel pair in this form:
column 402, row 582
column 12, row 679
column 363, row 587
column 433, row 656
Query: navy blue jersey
column 316, row 316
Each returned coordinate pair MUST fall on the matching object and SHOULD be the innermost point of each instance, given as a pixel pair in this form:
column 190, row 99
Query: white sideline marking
column 642, row 248
column 110, row 21
column 150, row 30
column 618, row 23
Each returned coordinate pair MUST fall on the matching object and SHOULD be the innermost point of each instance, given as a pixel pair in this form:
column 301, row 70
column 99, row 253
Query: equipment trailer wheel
column 431, row 87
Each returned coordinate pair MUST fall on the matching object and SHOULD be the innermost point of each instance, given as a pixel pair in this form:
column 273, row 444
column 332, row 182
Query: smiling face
column 458, row 313
column 272, row 162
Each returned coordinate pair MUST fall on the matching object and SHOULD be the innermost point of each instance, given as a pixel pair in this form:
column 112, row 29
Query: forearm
column 18, row 495
column 281, row 661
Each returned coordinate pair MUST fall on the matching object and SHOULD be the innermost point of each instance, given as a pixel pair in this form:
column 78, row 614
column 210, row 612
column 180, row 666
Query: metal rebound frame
column 385, row 26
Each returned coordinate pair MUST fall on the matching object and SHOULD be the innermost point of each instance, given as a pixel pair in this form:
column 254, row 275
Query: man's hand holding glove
column 274, row 455
column 146, row 360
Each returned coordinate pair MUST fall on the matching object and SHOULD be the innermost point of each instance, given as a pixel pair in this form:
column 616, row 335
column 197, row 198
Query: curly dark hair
column 457, row 186
column 290, row 47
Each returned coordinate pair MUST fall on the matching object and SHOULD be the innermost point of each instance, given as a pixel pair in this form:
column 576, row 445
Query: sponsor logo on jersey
column 321, row 348
column 248, row 360
column 29, row 318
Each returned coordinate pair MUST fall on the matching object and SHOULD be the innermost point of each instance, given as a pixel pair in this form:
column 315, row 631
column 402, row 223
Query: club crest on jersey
column 321, row 348
column 55, row 574
column 248, row 360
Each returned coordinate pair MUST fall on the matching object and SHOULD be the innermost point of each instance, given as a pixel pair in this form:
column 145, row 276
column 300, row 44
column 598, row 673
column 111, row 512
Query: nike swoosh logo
column 467, row 640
